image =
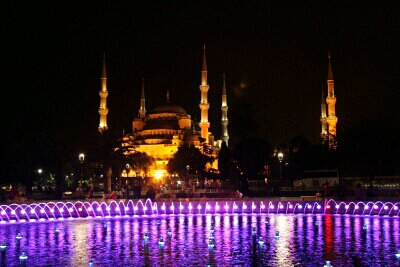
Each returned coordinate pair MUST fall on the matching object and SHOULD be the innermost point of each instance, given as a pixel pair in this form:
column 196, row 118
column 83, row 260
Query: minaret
column 204, row 105
column 331, row 101
column 142, row 109
column 324, row 124
column 224, row 109
column 103, row 110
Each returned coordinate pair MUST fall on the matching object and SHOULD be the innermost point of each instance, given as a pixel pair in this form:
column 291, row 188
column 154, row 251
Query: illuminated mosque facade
column 160, row 131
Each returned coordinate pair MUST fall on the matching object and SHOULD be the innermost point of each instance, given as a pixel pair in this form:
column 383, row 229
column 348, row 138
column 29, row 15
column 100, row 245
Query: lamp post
column 280, row 158
column 81, row 158
column 40, row 171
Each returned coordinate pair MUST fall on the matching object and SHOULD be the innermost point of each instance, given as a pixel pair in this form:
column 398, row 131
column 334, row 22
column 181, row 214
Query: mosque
column 162, row 130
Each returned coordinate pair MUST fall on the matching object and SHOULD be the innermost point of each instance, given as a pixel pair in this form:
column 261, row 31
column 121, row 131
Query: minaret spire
column 224, row 109
column 103, row 110
column 331, row 102
column 204, row 105
column 324, row 125
column 330, row 73
column 142, row 109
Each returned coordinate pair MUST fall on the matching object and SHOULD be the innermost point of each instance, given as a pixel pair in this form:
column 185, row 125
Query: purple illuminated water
column 304, row 240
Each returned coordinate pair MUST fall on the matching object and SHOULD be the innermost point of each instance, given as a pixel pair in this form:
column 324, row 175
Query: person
column 358, row 192
column 111, row 195
column 90, row 192
column 3, row 197
column 151, row 193
column 79, row 191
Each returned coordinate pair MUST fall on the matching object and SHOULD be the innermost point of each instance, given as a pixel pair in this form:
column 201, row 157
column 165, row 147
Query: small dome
column 168, row 108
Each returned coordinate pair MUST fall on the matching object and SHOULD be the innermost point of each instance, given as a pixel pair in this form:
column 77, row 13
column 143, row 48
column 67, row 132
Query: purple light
column 81, row 210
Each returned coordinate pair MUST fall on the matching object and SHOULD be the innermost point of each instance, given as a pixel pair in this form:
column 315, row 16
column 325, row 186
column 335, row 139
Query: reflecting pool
column 206, row 240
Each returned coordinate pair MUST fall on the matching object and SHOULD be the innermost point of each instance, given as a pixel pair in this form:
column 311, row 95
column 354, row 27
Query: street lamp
column 280, row 158
column 81, row 158
column 39, row 171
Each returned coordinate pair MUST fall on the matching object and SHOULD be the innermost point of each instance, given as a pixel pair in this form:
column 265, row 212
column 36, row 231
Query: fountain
column 365, row 227
column 398, row 254
column 146, row 236
column 3, row 246
column 90, row 264
column 276, row 235
column 23, row 256
column 261, row 241
column 19, row 236
column 254, row 231
column 161, row 241
column 328, row 264
column 169, row 232
column 57, row 230
column 212, row 236
column 18, row 213
column 211, row 243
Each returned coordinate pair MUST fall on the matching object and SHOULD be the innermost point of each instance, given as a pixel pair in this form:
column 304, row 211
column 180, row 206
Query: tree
column 141, row 161
column 252, row 154
column 224, row 160
column 188, row 156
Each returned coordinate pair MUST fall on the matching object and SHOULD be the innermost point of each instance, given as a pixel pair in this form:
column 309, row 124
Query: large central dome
column 168, row 108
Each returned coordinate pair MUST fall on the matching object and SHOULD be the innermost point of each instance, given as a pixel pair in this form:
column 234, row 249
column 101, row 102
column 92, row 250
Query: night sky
column 274, row 54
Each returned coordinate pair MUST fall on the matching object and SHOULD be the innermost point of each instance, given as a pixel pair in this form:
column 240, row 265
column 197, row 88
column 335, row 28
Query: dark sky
column 277, row 51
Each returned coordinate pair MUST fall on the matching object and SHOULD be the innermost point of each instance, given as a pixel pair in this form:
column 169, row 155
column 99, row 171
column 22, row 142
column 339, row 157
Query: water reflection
column 304, row 240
